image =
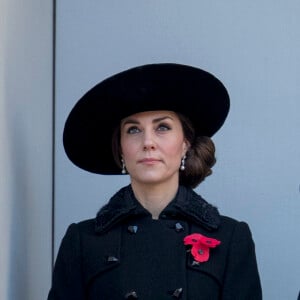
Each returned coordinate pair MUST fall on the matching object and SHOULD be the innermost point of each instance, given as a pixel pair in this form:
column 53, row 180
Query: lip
column 149, row 161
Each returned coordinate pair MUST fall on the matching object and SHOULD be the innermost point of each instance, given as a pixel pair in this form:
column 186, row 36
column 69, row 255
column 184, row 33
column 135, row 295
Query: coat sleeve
column 67, row 275
column 241, row 279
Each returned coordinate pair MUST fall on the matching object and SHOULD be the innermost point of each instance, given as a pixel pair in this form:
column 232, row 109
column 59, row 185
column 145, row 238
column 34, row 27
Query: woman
column 156, row 238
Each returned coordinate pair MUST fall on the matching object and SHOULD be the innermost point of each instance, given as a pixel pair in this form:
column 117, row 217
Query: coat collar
column 187, row 204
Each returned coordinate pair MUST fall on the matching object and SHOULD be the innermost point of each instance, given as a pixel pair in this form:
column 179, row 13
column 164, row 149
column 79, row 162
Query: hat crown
column 190, row 91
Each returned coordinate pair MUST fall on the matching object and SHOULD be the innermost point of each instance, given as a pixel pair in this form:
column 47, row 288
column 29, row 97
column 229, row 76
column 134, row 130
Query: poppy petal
column 200, row 254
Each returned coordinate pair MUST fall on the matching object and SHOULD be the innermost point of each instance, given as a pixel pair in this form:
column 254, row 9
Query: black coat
column 125, row 254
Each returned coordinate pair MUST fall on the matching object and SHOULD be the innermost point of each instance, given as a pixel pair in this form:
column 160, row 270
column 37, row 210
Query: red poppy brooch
column 200, row 246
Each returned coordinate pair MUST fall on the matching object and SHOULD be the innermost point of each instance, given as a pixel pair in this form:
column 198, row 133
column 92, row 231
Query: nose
column 149, row 141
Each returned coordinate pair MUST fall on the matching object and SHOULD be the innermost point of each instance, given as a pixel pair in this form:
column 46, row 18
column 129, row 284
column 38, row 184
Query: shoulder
column 235, row 235
column 235, row 227
column 78, row 231
column 75, row 230
column 84, row 226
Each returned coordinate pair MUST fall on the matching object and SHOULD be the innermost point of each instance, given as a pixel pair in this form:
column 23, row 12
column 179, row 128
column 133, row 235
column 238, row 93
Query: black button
column 179, row 227
column 163, row 216
column 195, row 263
column 112, row 258
column 177, row 293
column 131, row 295
column 132, row 229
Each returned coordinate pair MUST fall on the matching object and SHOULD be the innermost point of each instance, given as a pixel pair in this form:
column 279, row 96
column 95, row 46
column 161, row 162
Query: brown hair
column 200, row 156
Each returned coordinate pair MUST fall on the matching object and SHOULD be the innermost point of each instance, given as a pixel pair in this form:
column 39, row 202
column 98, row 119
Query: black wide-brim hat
column 190, row 91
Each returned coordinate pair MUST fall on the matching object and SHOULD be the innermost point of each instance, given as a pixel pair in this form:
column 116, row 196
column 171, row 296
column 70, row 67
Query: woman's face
column 152, row 145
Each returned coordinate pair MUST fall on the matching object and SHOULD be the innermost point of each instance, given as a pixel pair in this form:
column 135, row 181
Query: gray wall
column 254, row 48
column 25, row 148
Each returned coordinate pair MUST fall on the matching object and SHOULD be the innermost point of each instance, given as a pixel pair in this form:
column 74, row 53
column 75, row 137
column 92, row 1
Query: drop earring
column 182, row 165
column 123, row 166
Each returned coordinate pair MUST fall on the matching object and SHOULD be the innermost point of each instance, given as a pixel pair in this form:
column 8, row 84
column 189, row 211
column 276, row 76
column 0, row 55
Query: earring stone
column 182, row 166
column 123, row 167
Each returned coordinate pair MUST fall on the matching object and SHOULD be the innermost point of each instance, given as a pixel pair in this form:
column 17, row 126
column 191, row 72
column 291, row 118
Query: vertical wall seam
column 53, row 128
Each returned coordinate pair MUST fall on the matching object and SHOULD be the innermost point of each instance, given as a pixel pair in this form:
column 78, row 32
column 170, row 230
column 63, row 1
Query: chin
column 152, row 179
column 148, row 180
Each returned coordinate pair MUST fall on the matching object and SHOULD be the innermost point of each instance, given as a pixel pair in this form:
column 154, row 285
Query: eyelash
column 133, row 130
column 165, row 126
column 160, row 127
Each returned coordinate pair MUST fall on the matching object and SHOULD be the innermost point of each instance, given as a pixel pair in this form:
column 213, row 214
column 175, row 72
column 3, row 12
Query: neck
column 154, row 197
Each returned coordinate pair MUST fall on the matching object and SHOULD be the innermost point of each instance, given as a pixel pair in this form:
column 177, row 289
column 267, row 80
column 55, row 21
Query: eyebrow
column 156, row 120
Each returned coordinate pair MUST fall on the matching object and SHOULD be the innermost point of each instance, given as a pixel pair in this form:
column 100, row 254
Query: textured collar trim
column 186, row 203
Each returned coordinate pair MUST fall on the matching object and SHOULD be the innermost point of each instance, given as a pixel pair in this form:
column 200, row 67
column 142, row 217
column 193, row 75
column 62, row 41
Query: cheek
column 127, row 148
column 175, row 149
column 123, row 143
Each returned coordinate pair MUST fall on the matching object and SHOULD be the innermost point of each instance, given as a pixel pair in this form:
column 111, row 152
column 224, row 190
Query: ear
column 186, row 146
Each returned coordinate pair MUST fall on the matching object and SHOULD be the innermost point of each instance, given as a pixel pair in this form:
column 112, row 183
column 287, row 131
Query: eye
column 163, row 127
column 133, row 130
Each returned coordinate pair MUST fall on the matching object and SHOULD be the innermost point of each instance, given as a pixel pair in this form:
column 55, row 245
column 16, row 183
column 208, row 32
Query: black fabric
column 186, row 203
column 105, row 259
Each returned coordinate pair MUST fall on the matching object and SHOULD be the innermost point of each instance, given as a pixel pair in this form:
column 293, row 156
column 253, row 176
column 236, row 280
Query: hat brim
column 193, row 92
